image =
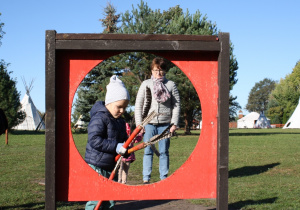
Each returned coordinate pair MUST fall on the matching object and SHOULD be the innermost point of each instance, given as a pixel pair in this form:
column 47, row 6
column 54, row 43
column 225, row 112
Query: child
column 125, row 164
column 107, row 133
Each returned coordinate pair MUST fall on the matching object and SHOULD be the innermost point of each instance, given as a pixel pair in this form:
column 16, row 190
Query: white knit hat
column 116, row 91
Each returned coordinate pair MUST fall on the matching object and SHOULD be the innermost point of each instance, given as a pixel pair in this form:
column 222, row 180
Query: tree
column 233, row 104
column 10, row 97
column 1, row 31
column 146, row 21
column 92, row 89
column 258, row 98
column 134, row 67
column 189, row 100
column 285, row 97
column 111, row 19
column 93, row 86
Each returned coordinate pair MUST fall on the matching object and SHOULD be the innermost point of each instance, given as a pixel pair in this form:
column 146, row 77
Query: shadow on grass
column 23, row 132
column 261, row 134
column 41, row 205
column 135, row 205
column 251, row 170
column 192, row 134
column 248, row 203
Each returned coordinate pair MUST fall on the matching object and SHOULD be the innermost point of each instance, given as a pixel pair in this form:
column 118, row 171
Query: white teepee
column 248, row 121
column 294, row 121
column 33, row 119
column 262, row 122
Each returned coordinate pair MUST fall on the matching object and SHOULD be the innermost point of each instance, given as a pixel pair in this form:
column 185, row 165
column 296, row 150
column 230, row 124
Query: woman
column 165, row 100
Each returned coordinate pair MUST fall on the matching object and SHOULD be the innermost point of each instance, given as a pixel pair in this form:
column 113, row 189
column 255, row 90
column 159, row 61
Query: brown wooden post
column 6, row 136
column 50, row 196
column 223, row 125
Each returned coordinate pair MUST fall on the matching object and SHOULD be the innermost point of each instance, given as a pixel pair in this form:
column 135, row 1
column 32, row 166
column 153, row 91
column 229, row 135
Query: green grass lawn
column 263, row 168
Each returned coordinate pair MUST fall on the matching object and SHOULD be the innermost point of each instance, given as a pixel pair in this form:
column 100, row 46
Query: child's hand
column 120, row 149
column 138, row 138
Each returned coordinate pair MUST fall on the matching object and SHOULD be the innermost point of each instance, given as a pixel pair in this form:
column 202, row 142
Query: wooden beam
column 50, row 121
column 137, row 45
column 223, row 123
column 145, row 37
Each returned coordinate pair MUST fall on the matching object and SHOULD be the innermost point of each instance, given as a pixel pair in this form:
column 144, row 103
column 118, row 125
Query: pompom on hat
column 116, row 91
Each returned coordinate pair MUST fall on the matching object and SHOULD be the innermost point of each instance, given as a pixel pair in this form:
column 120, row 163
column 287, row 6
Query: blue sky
column 265, row 35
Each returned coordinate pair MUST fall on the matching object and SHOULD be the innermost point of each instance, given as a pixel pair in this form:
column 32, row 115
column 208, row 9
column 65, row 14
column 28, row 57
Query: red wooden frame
column 204, row 60
column 198, row 172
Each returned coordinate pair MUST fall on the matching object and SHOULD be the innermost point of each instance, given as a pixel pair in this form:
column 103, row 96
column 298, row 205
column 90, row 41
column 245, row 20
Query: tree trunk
column 186, row 126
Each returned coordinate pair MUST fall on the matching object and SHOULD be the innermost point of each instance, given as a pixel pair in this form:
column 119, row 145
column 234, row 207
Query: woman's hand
column 142, row 131
column 173, row 128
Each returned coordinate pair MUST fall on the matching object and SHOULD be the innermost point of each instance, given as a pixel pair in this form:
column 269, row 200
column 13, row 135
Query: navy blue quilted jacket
column 104, row 133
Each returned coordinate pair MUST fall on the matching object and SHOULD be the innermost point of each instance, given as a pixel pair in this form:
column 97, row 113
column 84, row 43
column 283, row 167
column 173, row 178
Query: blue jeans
column 150, row 131
column 90, row 205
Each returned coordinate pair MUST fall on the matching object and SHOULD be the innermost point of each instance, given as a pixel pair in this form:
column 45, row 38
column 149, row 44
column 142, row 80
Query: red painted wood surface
column 196, row 178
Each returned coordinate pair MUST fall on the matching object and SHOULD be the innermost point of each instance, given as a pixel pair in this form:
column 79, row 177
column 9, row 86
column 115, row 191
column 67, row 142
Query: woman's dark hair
column 160, row 63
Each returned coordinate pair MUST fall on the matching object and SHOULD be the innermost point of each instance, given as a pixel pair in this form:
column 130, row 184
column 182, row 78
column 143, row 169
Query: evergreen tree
column 92, row 89
column 146, row 21
column 233, row 104
column 93, row 86
column 10, row 97
column 1, row 31
column 111, row 19
column 258, row 98
column 134, row 67
column 189, row 100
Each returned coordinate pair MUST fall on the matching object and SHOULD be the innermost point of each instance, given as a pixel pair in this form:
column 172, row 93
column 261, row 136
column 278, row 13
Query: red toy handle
column 125, row 145
column 137, row 147
column 129, row 140
column 112, row 175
